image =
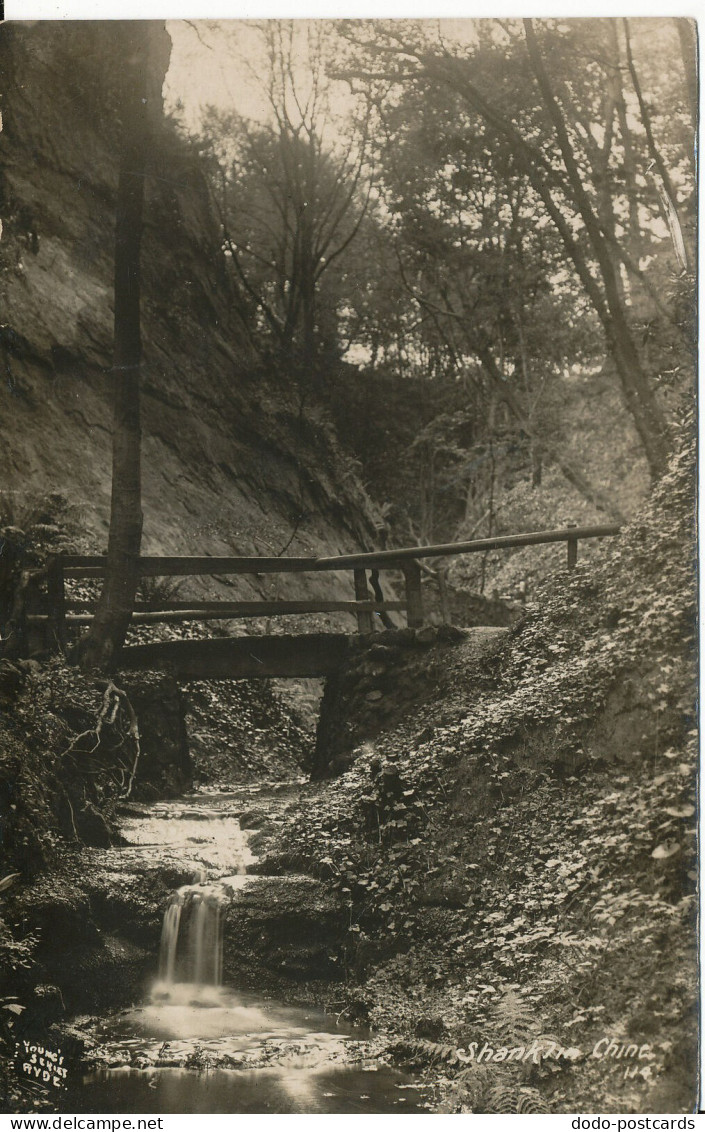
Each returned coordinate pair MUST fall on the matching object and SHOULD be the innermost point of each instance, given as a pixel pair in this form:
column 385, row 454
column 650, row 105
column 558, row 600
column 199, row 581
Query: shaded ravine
column 196, row 1044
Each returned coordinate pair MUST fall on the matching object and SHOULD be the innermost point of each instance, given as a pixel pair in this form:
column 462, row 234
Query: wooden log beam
column 572, row 545
column 390, row 559
column 57, row 598
column 254, row 608
column 97, row 572
column 414, row 595
column 75, row 565
column 219, row 611
column 85, row 566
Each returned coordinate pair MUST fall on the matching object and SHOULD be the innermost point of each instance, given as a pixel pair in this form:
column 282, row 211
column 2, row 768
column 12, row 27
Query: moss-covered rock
column 286, row 928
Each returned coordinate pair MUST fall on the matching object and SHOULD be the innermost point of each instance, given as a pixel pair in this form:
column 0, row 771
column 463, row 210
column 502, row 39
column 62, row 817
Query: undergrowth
column 61, row 774
column 541, row 844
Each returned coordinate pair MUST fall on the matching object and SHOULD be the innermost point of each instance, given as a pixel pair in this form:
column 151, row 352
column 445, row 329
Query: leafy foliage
column 46, row 523
column 545, row 832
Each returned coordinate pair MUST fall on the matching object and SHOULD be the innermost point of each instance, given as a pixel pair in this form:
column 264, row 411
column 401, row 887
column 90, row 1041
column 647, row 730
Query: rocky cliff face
column 229, row 462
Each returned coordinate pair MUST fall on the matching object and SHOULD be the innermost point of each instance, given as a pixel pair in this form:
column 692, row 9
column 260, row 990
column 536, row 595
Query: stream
column 195, row 1045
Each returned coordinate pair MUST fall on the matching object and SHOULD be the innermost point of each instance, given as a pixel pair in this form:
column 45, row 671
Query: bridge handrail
column 162, row 612
column 63, row 566
column 442, row 550
column 153, row 566
column 86, row 565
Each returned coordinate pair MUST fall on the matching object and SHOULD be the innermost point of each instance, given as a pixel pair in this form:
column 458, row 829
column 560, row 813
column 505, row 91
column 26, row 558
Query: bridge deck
column 240, row 658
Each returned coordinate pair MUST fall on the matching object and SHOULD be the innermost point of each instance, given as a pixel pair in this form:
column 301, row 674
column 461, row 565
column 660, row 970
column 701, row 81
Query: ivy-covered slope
column 522, row 866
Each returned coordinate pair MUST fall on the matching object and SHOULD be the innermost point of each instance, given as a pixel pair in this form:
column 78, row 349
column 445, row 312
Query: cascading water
column 170, row 939
column 192, row 938
column 191, row 950
column 262, row 1056
column 204, row 941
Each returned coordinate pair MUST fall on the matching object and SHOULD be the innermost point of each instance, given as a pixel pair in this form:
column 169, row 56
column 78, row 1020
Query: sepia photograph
column 348, row 568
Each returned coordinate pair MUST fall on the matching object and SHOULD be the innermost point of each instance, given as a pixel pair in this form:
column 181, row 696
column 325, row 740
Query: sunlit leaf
column 680, row 811
column 666, row 849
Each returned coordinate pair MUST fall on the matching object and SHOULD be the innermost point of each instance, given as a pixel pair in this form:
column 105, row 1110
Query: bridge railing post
column 57, row 599
column 364, row 619
column 414, row 595
column 572, row 544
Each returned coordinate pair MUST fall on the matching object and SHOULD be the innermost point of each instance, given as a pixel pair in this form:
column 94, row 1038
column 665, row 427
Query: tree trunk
column 638, row 395
column 687, row 34
column 635, row 239
column 602, row 290
column 102, row 645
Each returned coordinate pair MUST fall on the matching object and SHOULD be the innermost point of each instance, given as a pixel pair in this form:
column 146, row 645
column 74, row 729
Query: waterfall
column 192, row 938
column 204, row 941
column 170, row 939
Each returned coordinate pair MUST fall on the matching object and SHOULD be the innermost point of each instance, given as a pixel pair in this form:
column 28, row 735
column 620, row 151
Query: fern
column 425, row 1052
column 501, row 1099
column 513, row 1020
column 489, row 1087
column 155, row 592
column 478, row 1090
column 529, row 1101
column 505, row 1099
column 499, row 1087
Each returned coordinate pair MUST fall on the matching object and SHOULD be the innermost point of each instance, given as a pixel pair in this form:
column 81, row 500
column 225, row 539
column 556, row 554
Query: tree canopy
column 503, row 210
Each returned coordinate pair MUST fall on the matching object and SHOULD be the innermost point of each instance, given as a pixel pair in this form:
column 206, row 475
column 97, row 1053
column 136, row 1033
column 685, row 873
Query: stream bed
column 196, row 1046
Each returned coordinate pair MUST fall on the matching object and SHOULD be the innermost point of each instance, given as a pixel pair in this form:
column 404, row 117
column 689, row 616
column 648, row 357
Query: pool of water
column 330, row 1089
column 184, row 1011
column 213, row 1050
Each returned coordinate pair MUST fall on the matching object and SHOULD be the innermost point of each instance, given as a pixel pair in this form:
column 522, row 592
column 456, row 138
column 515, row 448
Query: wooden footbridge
column 238, row 657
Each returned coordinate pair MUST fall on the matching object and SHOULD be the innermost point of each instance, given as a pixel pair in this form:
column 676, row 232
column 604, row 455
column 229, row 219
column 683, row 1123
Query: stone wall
column 389, row 676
